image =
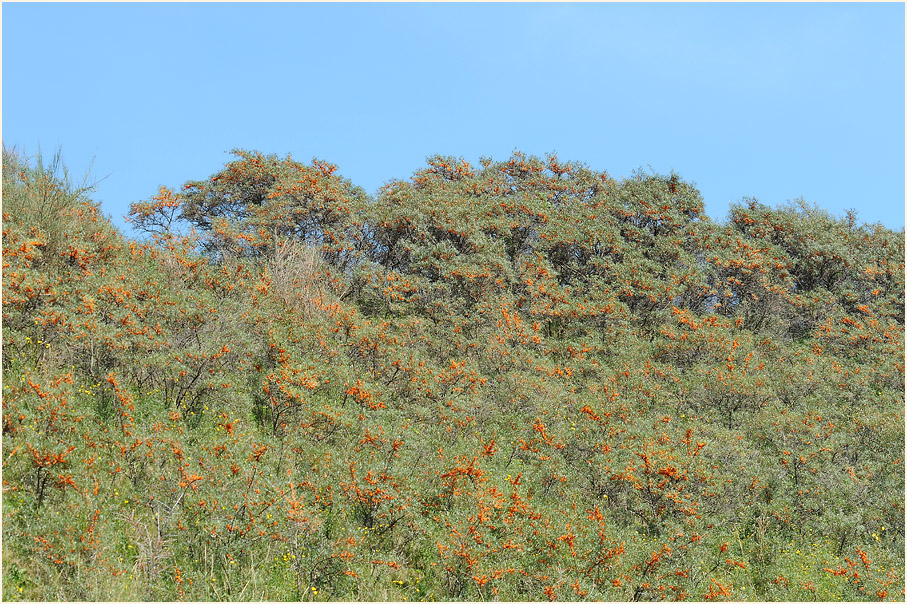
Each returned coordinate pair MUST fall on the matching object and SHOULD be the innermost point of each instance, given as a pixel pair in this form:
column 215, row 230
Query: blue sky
column 774, row 101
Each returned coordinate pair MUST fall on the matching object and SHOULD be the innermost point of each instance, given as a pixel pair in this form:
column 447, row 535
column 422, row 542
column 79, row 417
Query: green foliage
column 524, row 380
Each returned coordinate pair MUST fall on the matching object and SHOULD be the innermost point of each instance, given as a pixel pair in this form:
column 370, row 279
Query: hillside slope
column 524, row 380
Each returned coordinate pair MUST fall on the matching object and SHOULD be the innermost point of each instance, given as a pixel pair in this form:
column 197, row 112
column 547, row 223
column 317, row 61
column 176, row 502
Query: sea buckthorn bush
column 519, row 380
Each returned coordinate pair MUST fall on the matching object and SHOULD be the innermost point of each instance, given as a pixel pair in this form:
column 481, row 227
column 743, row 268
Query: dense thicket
column 522, row 380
